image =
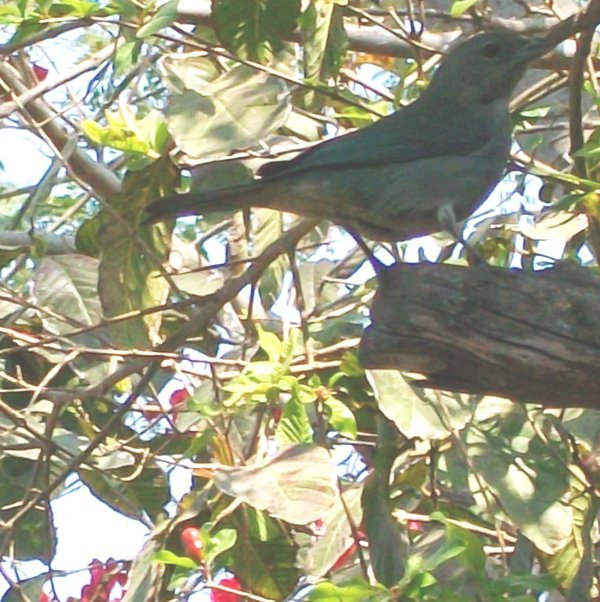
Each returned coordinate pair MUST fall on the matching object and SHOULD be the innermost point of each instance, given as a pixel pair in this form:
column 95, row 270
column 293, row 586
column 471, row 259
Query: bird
column 417, row 171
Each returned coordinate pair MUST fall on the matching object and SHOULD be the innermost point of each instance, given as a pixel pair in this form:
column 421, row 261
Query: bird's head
column 487, row 67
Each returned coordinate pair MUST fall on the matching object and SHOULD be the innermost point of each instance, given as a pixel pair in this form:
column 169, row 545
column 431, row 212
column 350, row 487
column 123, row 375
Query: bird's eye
column 491, row 50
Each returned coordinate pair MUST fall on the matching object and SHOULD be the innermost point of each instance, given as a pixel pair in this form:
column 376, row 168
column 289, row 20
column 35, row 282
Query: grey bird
column 412, row 173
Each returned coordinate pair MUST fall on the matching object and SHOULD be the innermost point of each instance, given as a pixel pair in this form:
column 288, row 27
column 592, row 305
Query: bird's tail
column 209, row 201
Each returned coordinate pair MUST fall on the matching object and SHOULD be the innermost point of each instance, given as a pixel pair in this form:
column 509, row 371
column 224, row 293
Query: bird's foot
column 447, row 219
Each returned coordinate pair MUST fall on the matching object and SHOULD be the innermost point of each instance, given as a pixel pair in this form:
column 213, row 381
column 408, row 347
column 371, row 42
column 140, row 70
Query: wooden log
column 527, row 336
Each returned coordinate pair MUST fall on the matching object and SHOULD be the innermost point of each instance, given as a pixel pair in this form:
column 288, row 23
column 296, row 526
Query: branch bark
column 54, row 244
column 378, row 41
column 6, row 108
column 98, row 177
column 531, row 337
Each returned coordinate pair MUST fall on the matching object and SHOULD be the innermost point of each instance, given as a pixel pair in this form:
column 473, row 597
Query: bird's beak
column 535, row 48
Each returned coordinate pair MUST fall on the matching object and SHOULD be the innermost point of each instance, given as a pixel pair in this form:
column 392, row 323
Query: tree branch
column 6, row 108
column 54, row 244
column 532, row 337
column 378, row 41
column 97, row 176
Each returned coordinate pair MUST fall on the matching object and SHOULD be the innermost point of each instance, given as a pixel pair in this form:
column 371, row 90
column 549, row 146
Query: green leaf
column 460, row 6
column 269, row 227
column 168, row 557
column 86, row 239
column 325, row 39
column 590, row 151
column 387, row 546
column 10, row 15
column 270, row 344
column 350, row 365
column 234, row 111
column 584, row 424
column 190, row 71
column 529, row 475
column 214, row 544
column 291, row 347
column 341, row 417
column 519, row 585
column 417, row 412
column 448, row 551
column 296, row 485
column 27, row 27
column 354, row 591
column 68, row 285
column 568, row 564
column 265, row 567
column 294, row 426
column 73, row 8
column 126, row 57
column 146, row 136
column 164, row 16
column 129, row 277
column 146, row 495
column 254, row 29
column 34, row 536
column 116, row 138
column 473, row 555
column 317, row 554
column 261, row 526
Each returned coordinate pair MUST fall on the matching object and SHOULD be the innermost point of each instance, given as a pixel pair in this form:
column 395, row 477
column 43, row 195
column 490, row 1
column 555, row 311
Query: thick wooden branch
column 531, row 337
column 378, row 41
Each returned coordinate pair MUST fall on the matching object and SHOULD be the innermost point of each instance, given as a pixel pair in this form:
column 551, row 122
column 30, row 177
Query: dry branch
column 531, row 337
column 38, row 113
column 54, row 244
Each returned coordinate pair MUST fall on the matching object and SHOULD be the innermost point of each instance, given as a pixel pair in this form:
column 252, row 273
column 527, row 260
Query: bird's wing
column 408, row 135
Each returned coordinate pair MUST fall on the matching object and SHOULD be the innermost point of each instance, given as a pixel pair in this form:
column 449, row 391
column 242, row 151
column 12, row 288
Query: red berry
column 192, row 543
column 277, row 413
column 217, row 595
column 415, row 526
column 178, row 397
column 40, row 72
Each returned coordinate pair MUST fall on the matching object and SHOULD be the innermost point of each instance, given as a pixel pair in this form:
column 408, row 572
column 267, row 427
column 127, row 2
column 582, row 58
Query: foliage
column 127, row 347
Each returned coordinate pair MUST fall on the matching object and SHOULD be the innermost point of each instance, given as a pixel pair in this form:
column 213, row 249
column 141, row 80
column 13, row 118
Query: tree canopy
column 435, row 464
